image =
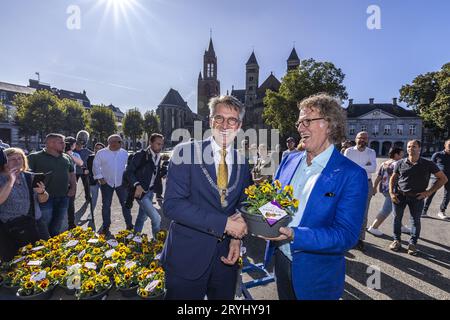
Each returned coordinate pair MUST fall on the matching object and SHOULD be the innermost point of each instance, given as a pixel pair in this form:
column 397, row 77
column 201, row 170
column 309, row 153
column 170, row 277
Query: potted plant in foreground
column 268, row 207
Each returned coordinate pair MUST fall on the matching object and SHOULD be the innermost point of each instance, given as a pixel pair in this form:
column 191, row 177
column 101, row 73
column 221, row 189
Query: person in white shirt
column 366, row 158
column 109, row 165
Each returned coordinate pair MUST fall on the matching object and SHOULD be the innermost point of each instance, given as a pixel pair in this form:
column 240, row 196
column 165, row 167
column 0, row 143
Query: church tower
column 251, row 80
column 293, row 61
column 208, row 85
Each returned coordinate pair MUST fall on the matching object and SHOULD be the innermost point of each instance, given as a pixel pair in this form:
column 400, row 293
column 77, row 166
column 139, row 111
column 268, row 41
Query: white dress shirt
column 217, row 155
column 110, row 165
column 303, row 182
column 366, row 159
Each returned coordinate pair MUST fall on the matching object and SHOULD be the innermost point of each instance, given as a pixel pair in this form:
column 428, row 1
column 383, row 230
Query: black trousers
column 85, row 181
column 283, row 276
column 16, row 234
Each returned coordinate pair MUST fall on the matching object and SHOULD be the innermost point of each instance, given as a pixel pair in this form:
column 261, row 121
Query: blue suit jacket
column 193, row 205
column 329, row 227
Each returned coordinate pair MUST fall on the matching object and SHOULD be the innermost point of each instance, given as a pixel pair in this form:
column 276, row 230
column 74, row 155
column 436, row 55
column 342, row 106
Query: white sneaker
column 375, row 232
column 406, row 229
column 442, row 215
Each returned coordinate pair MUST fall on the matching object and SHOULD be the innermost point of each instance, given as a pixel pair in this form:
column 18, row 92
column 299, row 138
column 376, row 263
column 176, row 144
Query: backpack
column 142, row 163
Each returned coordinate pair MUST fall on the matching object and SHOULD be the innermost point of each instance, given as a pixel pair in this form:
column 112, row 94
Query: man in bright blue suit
column 205, row 187
column 332, row 192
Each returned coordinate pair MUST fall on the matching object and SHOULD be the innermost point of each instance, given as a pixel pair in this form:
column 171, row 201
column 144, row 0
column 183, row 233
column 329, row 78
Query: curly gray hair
column 330, row 109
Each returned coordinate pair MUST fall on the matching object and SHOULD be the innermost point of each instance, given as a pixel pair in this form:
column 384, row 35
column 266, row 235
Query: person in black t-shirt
column 442, row 160
column 411, row 176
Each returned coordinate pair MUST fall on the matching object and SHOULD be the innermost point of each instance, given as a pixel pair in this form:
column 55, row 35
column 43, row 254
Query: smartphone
column 40, row 177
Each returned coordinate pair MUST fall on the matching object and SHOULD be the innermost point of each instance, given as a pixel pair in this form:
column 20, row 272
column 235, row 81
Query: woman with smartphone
column 19, row 207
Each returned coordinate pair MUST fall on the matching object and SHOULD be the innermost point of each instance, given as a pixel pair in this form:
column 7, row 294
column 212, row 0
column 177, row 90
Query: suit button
column 210, row 230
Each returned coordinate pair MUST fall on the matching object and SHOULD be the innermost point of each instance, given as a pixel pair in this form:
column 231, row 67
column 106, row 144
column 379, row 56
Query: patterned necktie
column 222, row 176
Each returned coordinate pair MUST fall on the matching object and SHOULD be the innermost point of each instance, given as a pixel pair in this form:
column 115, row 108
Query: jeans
column 54, row 213
column 387, row 206
column 415, row 207
column 444, row 202
column 283, row 276
column 107, row 194
column 94, row 194
column 146, row 209
column 42, row 229
column 362, row 234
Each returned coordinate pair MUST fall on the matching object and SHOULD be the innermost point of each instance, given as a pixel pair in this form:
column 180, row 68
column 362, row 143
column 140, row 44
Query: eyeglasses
column 306, row 122
column 231, row 121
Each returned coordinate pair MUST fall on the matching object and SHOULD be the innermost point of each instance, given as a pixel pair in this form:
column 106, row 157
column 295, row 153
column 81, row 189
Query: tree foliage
column 39, row 113
column 102, row 122
column 133, row 125
column 429, row 96
column 311, row 77
column 151, row 123
column 75, row 117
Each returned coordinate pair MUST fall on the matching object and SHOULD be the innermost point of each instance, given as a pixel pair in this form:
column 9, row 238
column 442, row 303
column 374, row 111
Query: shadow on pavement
column 411, row 267
column 390, row 286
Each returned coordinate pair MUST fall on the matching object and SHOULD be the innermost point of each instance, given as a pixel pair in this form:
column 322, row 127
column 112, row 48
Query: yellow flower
column 143, row 293
column 285, row 202
column 277, row 184
column 44, row 284
column 96, row 251
column 289, row 190
column 88, row 286
column 29, row 284
column 295, row 203
column 250, row 191
column 115, row 255
column 266, row 188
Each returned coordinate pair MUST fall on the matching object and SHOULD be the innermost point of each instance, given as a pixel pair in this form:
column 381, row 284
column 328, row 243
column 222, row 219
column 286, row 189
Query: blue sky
column 132, row 53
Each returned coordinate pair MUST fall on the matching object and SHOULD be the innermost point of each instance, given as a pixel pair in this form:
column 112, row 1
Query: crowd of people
column 203, row 200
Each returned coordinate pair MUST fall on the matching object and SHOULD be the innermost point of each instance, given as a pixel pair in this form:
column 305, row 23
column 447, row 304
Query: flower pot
column 257, row 226
column 98, row 296
column 69, row 292
column 129, row 292
column 159, row 296
column 46, row 295
column 11, row 289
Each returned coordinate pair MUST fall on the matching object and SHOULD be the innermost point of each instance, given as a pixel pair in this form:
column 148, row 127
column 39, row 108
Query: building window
column 250, row 88
column 352, row 130
column 375, row 129
column 400, row 129
column 209, row 70
column 387, row 129
column 3, row 96
column 250, row 79
column 363, row 127
column 412, row 129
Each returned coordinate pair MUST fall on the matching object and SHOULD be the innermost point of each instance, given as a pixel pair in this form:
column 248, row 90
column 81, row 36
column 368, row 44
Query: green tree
column 102, row 122
column 39, row 113
column 311, row 77
column 3, row 112
column 429, row 96
column 133, row 125
column 151, row 123
column 75, row 117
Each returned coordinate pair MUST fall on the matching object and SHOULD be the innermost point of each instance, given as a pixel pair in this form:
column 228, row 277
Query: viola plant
column 85, row 262
column 274, row 193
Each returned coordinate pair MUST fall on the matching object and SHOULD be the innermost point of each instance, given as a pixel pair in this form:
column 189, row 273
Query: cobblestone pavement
column 425, row 276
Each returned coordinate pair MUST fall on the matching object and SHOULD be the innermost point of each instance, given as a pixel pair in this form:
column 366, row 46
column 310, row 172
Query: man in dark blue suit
column 205, row 187
column 332, row 192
